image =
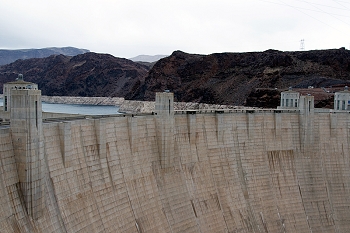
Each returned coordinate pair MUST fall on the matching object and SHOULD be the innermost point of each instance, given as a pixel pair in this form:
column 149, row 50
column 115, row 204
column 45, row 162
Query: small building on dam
column 229, row 170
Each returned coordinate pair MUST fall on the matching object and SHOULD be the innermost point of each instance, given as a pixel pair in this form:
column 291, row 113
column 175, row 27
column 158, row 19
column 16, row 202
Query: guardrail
column 178, row 112
column 82, row 117
column 220, row 111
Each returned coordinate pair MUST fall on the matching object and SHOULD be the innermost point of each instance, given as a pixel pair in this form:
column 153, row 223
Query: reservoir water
column 78, row 108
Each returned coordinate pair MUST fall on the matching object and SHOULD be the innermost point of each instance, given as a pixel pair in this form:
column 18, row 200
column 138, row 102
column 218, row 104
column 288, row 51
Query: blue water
column 78, row 108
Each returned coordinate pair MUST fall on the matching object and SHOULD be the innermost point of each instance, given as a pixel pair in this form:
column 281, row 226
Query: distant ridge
column 8, row 56
column 147, row 58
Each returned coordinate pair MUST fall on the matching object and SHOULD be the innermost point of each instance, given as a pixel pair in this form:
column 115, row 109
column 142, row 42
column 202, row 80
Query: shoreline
column 112, row 101
column 130, row 106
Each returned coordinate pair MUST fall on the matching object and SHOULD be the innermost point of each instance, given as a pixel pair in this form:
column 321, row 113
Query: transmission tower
column 302, row 45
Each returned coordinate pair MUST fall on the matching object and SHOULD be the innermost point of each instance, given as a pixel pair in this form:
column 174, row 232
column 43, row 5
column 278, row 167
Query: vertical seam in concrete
column 156, row 170
column 324, row 173
column 183, row 178
column 126, row 186
column 84, row 154
column 302, row 138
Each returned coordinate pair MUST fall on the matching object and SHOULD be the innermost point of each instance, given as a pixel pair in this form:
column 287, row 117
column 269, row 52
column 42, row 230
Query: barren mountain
column 88, row 74
column 230, row 78
column 253, row 79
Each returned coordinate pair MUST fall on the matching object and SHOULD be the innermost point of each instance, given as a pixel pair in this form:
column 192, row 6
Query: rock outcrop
column 88, row 74
column 223, row 78
column 229, row 78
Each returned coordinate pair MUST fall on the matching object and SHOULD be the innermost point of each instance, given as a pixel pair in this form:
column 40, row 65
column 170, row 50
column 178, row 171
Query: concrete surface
column 228, row 171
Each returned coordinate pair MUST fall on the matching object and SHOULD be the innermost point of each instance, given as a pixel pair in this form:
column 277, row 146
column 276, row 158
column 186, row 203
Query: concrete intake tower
column 229, row 170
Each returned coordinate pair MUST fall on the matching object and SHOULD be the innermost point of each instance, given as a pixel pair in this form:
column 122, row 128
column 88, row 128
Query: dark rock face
column 230, row 78
column 264, row 98
column 9, row 56
column 87, row 74
column 247, row 79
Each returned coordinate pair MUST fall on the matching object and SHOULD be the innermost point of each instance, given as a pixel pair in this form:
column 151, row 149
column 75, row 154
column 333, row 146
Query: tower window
column 5, row 104
column 36, row 113
column 309, row 106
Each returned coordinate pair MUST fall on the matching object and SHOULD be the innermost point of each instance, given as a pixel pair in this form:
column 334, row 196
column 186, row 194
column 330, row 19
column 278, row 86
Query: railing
column 82, row 117
column 247, row 110
column 179, row 112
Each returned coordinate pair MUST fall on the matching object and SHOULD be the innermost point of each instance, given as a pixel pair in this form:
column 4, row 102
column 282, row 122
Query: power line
column 311, row 3
column 341, row 4
column 302, row 8
column 309, row 15
column 342, row 1
column 330, row 14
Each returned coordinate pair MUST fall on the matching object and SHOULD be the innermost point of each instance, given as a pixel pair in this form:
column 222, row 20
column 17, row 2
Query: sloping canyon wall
column 238, row 172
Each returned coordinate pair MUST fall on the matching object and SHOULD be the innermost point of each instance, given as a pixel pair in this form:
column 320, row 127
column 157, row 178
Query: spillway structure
column 225, row 170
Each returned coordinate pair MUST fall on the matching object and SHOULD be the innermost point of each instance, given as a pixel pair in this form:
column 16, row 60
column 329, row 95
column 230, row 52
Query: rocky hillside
column 88, row 74
column 8, row 56
column 251, row 79
column 230, row 78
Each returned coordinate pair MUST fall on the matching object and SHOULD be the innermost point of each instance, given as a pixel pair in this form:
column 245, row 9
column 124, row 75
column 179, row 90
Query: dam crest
column 227, row 170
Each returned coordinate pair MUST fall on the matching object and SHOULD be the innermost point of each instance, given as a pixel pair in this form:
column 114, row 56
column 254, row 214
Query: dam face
column 283, row 170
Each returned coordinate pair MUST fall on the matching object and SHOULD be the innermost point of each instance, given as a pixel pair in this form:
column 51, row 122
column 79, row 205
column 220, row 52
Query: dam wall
column 231, row 171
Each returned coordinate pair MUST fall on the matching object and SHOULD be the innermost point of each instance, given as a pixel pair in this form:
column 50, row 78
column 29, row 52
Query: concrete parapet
column 242, row 110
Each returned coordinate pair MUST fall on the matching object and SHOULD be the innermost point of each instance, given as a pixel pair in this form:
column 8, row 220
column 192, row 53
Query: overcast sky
column 127, row 28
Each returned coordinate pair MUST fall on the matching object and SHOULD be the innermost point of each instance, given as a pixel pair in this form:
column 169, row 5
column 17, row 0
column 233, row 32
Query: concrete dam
column 246, row 170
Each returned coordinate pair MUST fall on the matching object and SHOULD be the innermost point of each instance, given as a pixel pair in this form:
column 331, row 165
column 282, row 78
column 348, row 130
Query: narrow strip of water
column 78, row 108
